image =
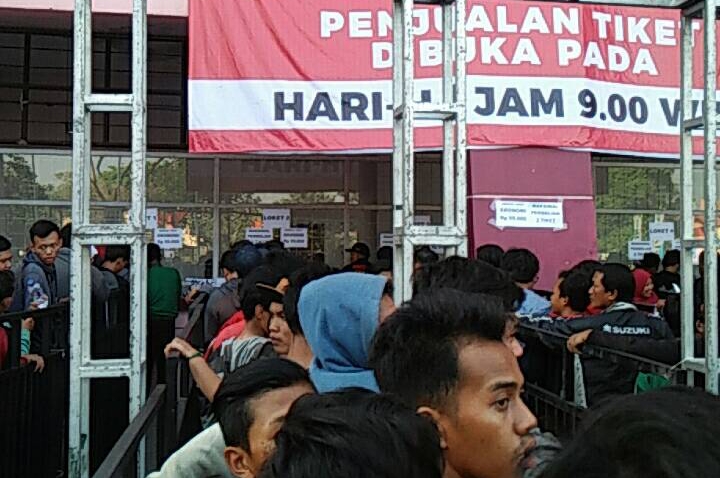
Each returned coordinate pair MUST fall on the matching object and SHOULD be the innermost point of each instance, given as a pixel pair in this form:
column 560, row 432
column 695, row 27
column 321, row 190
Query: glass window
column 197, row 226
column 172, row 179
column 615, row 230
column 16, row 220
column 35, row 176
column 628, row 187
column 281, row 181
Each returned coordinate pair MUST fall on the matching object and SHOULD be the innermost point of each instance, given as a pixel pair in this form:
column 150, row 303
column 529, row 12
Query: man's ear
column 564, row 301
column 613, row 295
column 238, row 462
column 439, row 420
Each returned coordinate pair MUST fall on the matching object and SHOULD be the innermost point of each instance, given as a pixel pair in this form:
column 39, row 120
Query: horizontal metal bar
column 695, row 364
column 107, row 230
column 104, row 102
column 693, row 243
column 695, row 123
column 431, row 2
column 106, row 368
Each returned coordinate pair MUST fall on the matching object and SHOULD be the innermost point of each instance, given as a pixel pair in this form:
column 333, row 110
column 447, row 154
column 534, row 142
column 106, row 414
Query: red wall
column 535, row 174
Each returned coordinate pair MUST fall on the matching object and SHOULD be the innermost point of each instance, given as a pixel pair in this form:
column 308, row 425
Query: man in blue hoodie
column 339, row 315
column 37, row 279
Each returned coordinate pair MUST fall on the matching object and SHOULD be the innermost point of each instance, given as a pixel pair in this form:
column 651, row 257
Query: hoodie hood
column 32, row 258
column 339, row 316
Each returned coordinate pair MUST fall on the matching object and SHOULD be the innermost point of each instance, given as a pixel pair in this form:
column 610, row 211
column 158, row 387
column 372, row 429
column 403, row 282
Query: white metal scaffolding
column 450, row 112
column 708, row 123
column 85, row 234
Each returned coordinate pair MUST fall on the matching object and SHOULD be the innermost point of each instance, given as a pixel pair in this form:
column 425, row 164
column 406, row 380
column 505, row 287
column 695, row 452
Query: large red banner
column 316, row 76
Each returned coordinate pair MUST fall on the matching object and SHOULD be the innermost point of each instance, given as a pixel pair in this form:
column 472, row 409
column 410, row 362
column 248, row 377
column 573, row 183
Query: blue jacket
column 34, row 270
column 339, row 315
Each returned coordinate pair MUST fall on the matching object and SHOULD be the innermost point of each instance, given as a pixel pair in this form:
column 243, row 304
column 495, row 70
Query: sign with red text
column 316, row 76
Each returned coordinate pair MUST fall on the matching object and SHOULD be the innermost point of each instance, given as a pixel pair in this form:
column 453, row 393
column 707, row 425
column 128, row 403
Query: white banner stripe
column 242, row 105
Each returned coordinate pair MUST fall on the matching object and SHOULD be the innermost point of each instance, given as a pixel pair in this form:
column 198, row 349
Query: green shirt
column 163, row 292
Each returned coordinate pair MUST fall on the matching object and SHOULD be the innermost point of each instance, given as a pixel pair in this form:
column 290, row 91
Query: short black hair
column 618, row 278
column 522, row 265
column 283, row 261
column 668, row 433
column 247, row 258
column 490, row 253
column 232, row 403
column 354, row 434
column 42, row 229
column 7, row 284
column 66, row 234
column 650, row 260
column 469, row 276
column 575, row 286
column 115, row 252
column 251, row 296
column 227, row 261
column 671, row 258
column 589, row 266
column 385, row 253
column 298, row 280
column 154, row 254
column 424, row 256
column 415, row 351
column 5, row 244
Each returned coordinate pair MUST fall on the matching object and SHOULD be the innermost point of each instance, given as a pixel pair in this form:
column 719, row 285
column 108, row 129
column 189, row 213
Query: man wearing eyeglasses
column 37, row 279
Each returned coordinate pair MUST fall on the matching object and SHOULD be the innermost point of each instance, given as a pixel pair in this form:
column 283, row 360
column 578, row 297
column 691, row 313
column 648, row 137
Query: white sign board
column 422, row 220
column 637, row 249
column 662, row 231
column 258, row 235
column 676, row 244
column 527, row 214
column 169, row 238
column 151, row 218
column 386, row 239
column 203, row 283
column 276, row 218
column 294, row 237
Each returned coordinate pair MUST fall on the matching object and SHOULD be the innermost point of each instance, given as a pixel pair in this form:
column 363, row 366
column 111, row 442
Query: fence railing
column 555, row 388
column 50, row 333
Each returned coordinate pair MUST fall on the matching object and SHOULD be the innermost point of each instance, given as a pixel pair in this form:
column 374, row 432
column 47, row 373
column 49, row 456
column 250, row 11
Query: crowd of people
column 307, row 371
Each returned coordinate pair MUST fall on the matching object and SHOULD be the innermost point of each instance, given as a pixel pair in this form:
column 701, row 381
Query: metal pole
column 686, row 197
column 710, row 153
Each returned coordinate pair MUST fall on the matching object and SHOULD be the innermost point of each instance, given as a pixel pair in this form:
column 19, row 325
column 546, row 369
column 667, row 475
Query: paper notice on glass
column 258, row 235
column 677, row 244
column 294, row 237
column 529, row 214
column 151, row 218
column 386, row 239
column 637, row 249
column 276, row 218
column 661, row 231
column 169, row 238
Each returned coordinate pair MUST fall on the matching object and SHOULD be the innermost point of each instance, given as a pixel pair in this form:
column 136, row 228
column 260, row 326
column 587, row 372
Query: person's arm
column 206, row 379
column 665, row 350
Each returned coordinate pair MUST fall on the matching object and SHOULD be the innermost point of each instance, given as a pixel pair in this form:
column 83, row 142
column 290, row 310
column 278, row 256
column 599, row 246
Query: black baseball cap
column 361, row 248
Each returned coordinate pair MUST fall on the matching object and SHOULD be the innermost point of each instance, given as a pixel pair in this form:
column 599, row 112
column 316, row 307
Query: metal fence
column 555, row 388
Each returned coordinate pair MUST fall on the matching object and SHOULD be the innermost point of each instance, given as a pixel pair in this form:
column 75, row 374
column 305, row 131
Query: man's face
column 6, row 260
column 354, row 256
column 5, row 304
column 485, row 429
column 118, row 265
column 280, row 334
column 47, row 248
column 599, row 297
column 557, row 304
column 268, row 412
